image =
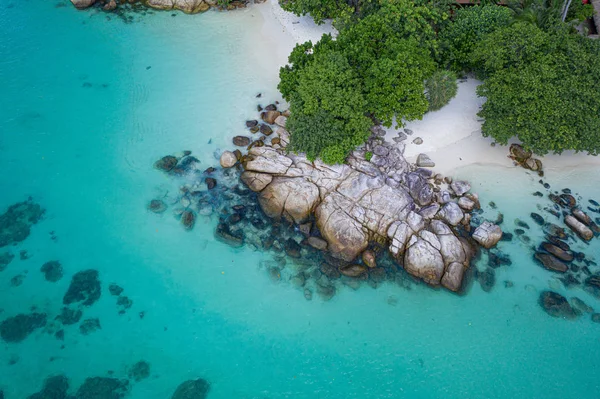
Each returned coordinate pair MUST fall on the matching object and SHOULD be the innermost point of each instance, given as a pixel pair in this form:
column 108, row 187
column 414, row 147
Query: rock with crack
column 487, row 234
column 267, row 160
column 256, row 181
column 451, row 213
column 423, row 260
column 289, row 197
column 460, row 187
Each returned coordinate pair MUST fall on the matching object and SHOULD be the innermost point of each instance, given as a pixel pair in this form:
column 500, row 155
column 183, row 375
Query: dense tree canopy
column 541, row 86
column 541, row 79
column 467, row 28
column 374, row 70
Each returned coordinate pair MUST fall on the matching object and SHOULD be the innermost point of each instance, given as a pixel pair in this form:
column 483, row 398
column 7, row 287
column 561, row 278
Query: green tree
column 542, row 87
column 327, row 118
column 468, row 28
column 440, row 88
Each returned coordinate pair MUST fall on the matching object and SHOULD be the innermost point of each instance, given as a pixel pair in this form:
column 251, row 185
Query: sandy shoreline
column 451, row 136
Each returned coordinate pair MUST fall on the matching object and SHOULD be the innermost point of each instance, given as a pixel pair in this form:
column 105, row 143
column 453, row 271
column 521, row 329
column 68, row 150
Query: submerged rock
column 16, row 222
column 69, row 316
column 188, row 219
column 52, row 271
column 192, row 389
column 560, row 253
column 353, row 270
column 5, row 259
column 166, row 163
column 487, row 279
column 115, row 289
column 556, row 305
column 139, row 371
column 81, row 4
column 55, row 387
column 551, row 263
column 85, row 288
column 17, row 328
column 88, row 326
column 241, row 141
column 102, row 388
column 581, row 306
column 157, row 206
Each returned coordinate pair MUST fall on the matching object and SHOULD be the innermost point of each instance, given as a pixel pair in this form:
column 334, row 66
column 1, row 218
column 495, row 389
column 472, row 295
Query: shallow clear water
column 88, row 104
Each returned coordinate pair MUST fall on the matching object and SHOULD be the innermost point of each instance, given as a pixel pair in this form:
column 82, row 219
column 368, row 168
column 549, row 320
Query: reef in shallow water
column 19, row 327
column 16, row 222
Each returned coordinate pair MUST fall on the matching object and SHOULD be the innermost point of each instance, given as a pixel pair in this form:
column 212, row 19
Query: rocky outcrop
column 81, row 4
column 187, row 6
column 524, row 158
column 292, row 198
column 384, row 201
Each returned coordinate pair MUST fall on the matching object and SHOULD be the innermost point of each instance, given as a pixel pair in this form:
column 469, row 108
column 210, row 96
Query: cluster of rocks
column 57, row 387
column 187, row 6
column 16, row 222
column 557, row 305
column 422, row 218
column 525, row 158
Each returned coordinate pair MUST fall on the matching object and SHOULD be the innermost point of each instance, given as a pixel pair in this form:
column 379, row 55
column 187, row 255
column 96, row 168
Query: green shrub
column 441, row 87
column 469, row 26
column 368, row 155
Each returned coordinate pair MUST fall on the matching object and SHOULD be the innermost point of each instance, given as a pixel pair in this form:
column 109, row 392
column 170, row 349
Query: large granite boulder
column 419, row 188
column 346, row 237
column 267, row 160
column 256, row 181
column 460, row 187
column 81, row 4
column 228, row 159
column 487, row 234
column 453, row 276
column 288, row 197
column 187, row 6
column 423, row 260
column 451, row 213
column 399, row 233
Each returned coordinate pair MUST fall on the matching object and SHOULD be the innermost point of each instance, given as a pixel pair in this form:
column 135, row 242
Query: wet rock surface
column 17, row 328
column 85, row 288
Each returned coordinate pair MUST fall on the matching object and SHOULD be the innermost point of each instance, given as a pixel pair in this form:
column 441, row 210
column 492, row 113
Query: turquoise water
column 88, row 104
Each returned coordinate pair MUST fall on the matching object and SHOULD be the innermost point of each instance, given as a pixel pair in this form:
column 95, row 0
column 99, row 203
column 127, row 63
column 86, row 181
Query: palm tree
column 543, row 13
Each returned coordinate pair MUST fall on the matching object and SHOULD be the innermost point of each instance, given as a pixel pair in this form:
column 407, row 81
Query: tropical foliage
column 389, row 63
column 374, row 71
column 542, row 87
column 440, row 88
column 467, row 28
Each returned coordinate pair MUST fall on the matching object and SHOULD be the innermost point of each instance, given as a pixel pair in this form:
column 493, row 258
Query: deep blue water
column 88, row 103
